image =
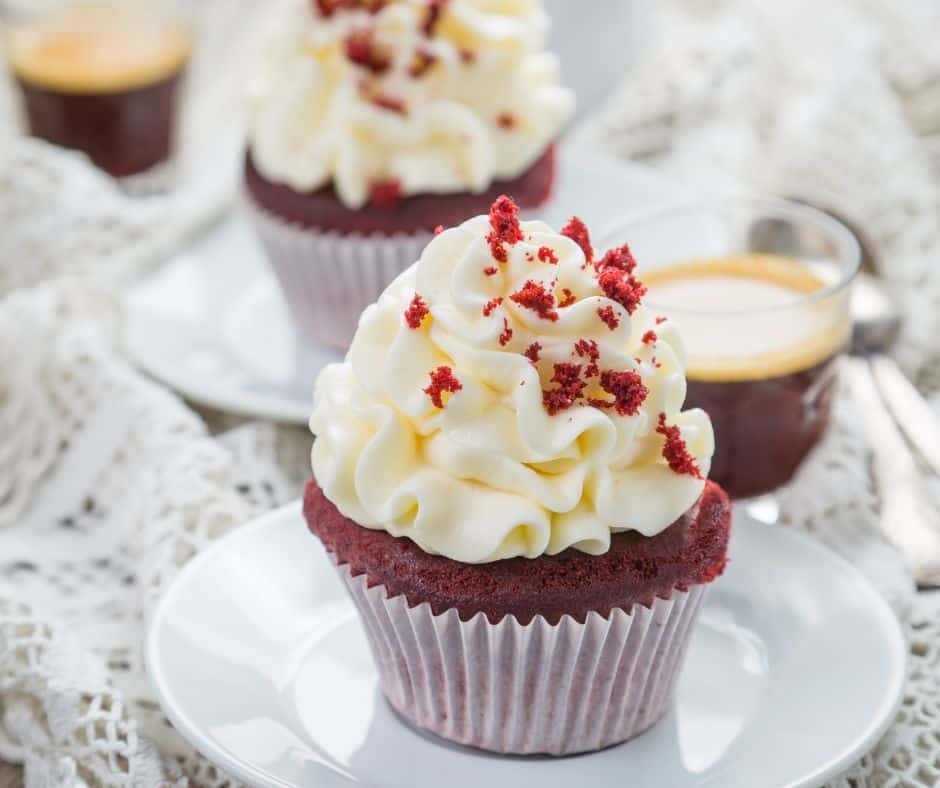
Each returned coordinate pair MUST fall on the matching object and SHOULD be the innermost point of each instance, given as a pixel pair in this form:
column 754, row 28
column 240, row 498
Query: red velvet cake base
column 323, row 210
column 692, row 551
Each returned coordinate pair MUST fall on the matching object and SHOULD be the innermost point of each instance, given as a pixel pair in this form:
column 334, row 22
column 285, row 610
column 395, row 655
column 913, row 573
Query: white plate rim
column 253, row 776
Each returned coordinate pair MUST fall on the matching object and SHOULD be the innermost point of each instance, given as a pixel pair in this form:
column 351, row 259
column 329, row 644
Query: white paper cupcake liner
column 329, row 278
column 540, row 688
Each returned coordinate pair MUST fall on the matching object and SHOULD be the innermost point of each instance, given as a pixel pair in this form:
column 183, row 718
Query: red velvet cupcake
column 508, row 486
column 377, row 120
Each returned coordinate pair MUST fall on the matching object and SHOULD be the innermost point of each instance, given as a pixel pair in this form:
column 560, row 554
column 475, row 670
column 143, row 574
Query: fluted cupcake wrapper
column 541, row 688
column 329, row 278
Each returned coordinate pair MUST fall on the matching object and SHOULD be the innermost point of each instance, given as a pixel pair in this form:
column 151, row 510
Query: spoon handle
column 910, row 410
column 908, row 519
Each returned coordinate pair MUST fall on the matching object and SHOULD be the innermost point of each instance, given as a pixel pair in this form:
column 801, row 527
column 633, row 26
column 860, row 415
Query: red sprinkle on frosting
column 532, row 352
column 547, row 255
column 620, row 258
column 439, row 229
column 442, row 380
column 329, row 7
column 491, row 305
column 386, row 194
column 506, row 120
column 416, row 312
column 506, row 336
column 491, row 271
column 660, row 320
column 390, row 103
column 538, row 298
column 569, row 389
column 621, row 286
column 568, row 300
column 675, row 451
column 587, row 348
column 649, row 337
column 626, row 388
column 609, row 316
column 504, row 221
column 577, row 231
column 431, row 21
column 361, row 50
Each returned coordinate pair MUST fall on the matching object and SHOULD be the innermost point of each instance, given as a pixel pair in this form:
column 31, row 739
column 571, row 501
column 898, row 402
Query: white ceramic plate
column 212, row 325
column 795, row 670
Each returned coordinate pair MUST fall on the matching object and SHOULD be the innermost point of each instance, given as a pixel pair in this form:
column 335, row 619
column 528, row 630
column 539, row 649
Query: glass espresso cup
column 101, row 77
column 759, row 290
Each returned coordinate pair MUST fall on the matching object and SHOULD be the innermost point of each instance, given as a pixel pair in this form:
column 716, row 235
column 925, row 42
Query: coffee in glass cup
column 104, row 78
column 759, row 290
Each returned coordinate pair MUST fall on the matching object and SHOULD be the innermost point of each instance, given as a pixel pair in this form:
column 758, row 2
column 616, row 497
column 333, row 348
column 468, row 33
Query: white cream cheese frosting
column 489, row 409
column 435, row 96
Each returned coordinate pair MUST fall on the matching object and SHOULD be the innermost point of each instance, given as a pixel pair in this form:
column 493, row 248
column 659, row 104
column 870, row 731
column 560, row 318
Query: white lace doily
column 108, row 484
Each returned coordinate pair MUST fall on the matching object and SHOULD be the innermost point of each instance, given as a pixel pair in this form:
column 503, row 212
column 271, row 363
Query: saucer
column 795, row 671
column 212, row 324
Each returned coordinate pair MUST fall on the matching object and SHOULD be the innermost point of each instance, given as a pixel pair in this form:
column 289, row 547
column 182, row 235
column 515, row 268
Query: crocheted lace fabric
column 109, row 484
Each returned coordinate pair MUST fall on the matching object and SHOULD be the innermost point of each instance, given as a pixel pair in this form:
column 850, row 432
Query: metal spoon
column 890, row 406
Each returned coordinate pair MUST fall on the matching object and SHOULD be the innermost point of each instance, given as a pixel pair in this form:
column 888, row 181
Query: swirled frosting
column 430, row 96
column 508, row 395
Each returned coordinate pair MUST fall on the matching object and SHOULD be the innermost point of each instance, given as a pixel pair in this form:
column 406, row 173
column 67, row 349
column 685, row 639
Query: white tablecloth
column 108, row 484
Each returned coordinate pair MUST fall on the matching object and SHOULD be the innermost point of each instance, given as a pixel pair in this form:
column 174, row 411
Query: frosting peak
column 435, row 96
column 501, row 400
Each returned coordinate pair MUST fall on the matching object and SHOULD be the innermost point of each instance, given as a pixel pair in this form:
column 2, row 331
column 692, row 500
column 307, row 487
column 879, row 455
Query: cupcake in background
column 512, row 493
column 374, row 121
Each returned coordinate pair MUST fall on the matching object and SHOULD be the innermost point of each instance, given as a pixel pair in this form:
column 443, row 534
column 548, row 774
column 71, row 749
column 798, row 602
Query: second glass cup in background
column 101, row 77
column 759, row 289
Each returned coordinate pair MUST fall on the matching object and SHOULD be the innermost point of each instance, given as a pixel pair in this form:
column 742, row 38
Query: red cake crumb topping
column 361, row 50
column 626, row 388
column 421, row 63
column 577, row 231
column 609, row 316
column 532, row 352
column 416, row 312
column 491, row 305
column 386, row 194
column 433, row 18
column 491, row 271
column 675, row 452
column 660, row 320
column 506, row 120
column 568, row 300
column 439, row 229
column 329, row 7
column 649, row 337
column 506, row 336
column 547, row 255
column 390, row 103
column 620, row 258
column 504, row 221
column 620, row 286
column 569, row 390
column 587, row 348
column 656, row 362
column 538, row 298
column 442, row 380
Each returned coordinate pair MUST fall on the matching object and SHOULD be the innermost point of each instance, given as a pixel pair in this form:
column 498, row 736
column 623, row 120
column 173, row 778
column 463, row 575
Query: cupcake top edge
column 403, row 97
column 510, row 395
